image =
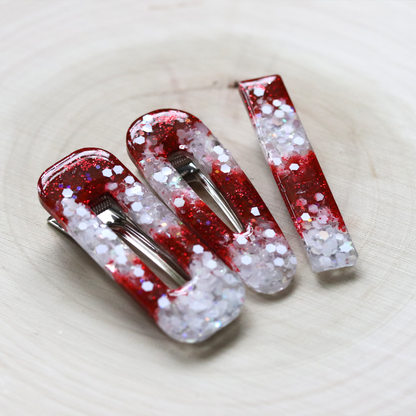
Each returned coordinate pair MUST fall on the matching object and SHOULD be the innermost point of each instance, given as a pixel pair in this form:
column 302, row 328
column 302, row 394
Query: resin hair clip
column 93, row 197
column 298, row 174
column 171, row 148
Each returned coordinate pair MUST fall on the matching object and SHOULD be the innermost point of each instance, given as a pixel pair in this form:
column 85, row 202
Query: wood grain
column 77, row 73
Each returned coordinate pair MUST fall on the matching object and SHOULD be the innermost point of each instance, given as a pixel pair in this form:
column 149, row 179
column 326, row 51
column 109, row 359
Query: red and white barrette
column 93, row 197
column 298, row 174
column 171, row 148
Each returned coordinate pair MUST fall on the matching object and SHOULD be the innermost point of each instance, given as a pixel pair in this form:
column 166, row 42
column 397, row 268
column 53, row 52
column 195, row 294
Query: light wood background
column 77, row 73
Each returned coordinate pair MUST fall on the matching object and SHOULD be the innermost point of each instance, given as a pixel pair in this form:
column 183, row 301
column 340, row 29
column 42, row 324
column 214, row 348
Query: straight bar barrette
column 172, row 148
column 94, row 198
column 298, row 174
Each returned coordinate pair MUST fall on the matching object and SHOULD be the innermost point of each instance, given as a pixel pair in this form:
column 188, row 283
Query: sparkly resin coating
column 210, row 300
column 298, row 174
column 260, row 254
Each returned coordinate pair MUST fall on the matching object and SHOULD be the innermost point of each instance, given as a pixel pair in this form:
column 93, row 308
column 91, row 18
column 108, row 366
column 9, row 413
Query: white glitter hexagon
column 279, row 262
column 225, row 169
column 139, row 140
column 255, row 211
column 107, row 173
column 67, row 193
column 179, row 202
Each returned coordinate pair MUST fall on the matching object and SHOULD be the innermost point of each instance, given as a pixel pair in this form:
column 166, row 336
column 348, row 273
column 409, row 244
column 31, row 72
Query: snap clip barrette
column 172, row 148
column 95, row 199
column 298, row 174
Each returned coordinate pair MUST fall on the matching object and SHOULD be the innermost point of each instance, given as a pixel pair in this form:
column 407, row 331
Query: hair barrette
column 298, row 174
column 95, row 199
column 172, row 149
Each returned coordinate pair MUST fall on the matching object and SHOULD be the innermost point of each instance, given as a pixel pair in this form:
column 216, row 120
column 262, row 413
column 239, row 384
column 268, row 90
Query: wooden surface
column 77, row 73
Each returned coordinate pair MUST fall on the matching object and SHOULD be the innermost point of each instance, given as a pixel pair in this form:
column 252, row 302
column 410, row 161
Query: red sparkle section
column 197, row 215
column 178, row 241
column 239, row 190
column 273, row 88
column 304, row 184
column 309, row 179
column 82, row 172
column 240, row 193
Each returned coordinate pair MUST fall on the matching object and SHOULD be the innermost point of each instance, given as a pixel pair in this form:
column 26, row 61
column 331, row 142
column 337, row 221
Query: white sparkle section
column 241, row 240
column 160, row 177
column 218, row 150
column 139, row 140
column 281, row 249
column 136, row 206
column 163, row 302
column 267, row 109
column 271, row 248
column 279, row 262
column 147, row 286
column 118, row 169
column 269, row 233
column 198, row 249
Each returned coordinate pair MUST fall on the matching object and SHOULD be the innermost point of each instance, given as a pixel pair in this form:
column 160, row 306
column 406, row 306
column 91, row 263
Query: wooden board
column 77, row 73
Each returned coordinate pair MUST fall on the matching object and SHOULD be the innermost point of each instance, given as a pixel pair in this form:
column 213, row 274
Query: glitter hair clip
column 94, row 198
column 298, row 174
column 172, row 148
